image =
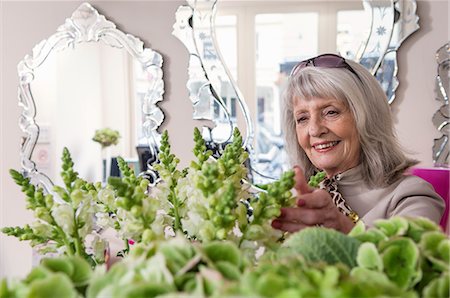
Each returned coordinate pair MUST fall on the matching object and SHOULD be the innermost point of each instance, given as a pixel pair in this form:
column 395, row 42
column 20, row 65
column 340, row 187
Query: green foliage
column 315, row 180
column 414, row 254
column 62, row 222
column 194, row 238
column 66, row 276
column 131, row 204
column 323, row 245
column 199, row 150
column 167, row 169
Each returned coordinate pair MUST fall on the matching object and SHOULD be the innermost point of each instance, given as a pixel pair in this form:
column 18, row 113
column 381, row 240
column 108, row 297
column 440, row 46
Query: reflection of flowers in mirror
column 106, row 137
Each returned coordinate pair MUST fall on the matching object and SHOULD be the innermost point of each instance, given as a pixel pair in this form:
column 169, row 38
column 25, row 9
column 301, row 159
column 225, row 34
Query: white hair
column 382, row 159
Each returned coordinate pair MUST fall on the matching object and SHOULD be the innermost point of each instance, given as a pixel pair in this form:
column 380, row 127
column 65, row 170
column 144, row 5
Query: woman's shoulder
column 412, row 181
column 413, row 196
column 411, row 185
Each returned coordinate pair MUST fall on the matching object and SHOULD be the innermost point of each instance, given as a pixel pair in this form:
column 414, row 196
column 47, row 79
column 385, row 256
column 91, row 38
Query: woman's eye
column 302, row 119
column 331, row 112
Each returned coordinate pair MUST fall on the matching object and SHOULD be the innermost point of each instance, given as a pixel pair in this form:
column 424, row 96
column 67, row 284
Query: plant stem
column 177, row 225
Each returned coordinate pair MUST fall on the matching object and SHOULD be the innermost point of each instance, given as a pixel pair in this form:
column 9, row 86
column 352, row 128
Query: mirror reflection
column 81, row 90
column 88, row 76
column 441, row 117
column 261, row 41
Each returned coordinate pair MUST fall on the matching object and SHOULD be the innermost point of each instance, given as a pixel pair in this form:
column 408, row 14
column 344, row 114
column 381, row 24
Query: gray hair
column 382, row 159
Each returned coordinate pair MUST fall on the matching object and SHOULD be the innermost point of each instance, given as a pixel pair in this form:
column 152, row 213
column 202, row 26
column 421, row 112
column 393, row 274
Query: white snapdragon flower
column 192, row 223
column 64, row 217
column 104, row 220
column 106, row 196
column 42, row 229
column 162, row 220
column 85, row 214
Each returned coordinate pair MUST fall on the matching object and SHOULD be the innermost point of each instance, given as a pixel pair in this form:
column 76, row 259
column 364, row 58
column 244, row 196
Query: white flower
column 42, row 229
column 85, row 214
column 106, row 196
column 192, row 223
column 64, row 217
column 99, row 246
column 103, row 220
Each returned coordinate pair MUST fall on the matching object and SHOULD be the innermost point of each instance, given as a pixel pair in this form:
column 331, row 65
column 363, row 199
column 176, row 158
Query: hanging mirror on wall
column 87, row 76
column 244, row 40
column 441, row 117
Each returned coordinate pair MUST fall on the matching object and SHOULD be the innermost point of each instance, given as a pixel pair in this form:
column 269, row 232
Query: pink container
column 439, row 178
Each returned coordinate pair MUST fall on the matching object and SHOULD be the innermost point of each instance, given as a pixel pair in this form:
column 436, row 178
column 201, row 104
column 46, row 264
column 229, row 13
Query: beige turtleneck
column 409, row 196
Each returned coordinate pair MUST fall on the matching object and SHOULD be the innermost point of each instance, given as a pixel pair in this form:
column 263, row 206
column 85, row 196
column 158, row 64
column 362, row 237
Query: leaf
column 54, row 286
column 4, row 291
column 82, row 271
column 358, row 229
column 444, row 250
column 228, row 270
column 401, row 261
column 368, row 257
column 430, row 242
column 420, row 225
column 223, row 251
column 395, row 226
column 373, row 235
column 270, row 284
column 36, row 273
column 59, row 265
column 144, row 290
column 368, row 283
column 438, row 287
column 322, row 244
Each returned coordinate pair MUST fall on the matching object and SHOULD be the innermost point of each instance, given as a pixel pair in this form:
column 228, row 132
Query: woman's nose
column 316, row 127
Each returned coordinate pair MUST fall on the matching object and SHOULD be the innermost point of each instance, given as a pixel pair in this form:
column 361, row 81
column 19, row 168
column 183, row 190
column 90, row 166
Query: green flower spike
column 199, row 150
column 167, row 169
column 315, row 180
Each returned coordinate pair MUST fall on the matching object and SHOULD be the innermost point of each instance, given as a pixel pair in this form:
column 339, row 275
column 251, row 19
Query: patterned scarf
column 331, row 186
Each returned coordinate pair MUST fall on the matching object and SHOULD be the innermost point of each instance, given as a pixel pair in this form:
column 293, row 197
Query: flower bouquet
column 205, row 232
column 106, row 137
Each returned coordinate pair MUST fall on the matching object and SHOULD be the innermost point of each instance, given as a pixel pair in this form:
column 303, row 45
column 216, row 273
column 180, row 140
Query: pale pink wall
column 24, row 24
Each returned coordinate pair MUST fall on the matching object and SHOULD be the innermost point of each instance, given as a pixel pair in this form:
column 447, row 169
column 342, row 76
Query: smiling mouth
column 325, row 145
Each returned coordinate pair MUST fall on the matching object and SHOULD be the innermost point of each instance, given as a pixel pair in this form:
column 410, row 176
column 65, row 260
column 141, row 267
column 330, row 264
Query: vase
column 106, row 163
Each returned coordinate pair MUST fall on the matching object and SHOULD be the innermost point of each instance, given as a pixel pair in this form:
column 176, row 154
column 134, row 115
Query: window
column 261, row 42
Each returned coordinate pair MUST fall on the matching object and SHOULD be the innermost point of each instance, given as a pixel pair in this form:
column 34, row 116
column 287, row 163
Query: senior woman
column 337, row 120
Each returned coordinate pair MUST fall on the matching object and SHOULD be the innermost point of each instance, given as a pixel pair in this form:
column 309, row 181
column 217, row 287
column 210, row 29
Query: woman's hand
column 314, row 207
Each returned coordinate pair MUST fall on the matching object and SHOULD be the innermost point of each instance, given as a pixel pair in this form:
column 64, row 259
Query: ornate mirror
column 441, row 117
column 87, row 76
column 369, row 32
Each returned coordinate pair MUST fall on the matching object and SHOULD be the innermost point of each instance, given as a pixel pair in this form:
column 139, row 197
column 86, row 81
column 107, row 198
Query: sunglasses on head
column 325, row 60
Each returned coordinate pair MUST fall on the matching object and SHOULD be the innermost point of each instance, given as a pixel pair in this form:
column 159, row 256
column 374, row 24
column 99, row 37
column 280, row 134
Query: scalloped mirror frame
column 85, row 25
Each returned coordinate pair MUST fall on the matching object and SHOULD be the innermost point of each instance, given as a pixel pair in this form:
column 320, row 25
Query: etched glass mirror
column 256, row 44
column 87, row 76
column 441, row 118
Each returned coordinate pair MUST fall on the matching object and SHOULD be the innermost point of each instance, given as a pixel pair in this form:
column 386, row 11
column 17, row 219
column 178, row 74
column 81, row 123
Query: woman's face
column 327, row 132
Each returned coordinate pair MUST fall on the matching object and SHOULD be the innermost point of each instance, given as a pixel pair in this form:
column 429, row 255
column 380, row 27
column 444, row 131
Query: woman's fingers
column 317, row 199
column 301, row 185
column 287, row 226
column 304, row 216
